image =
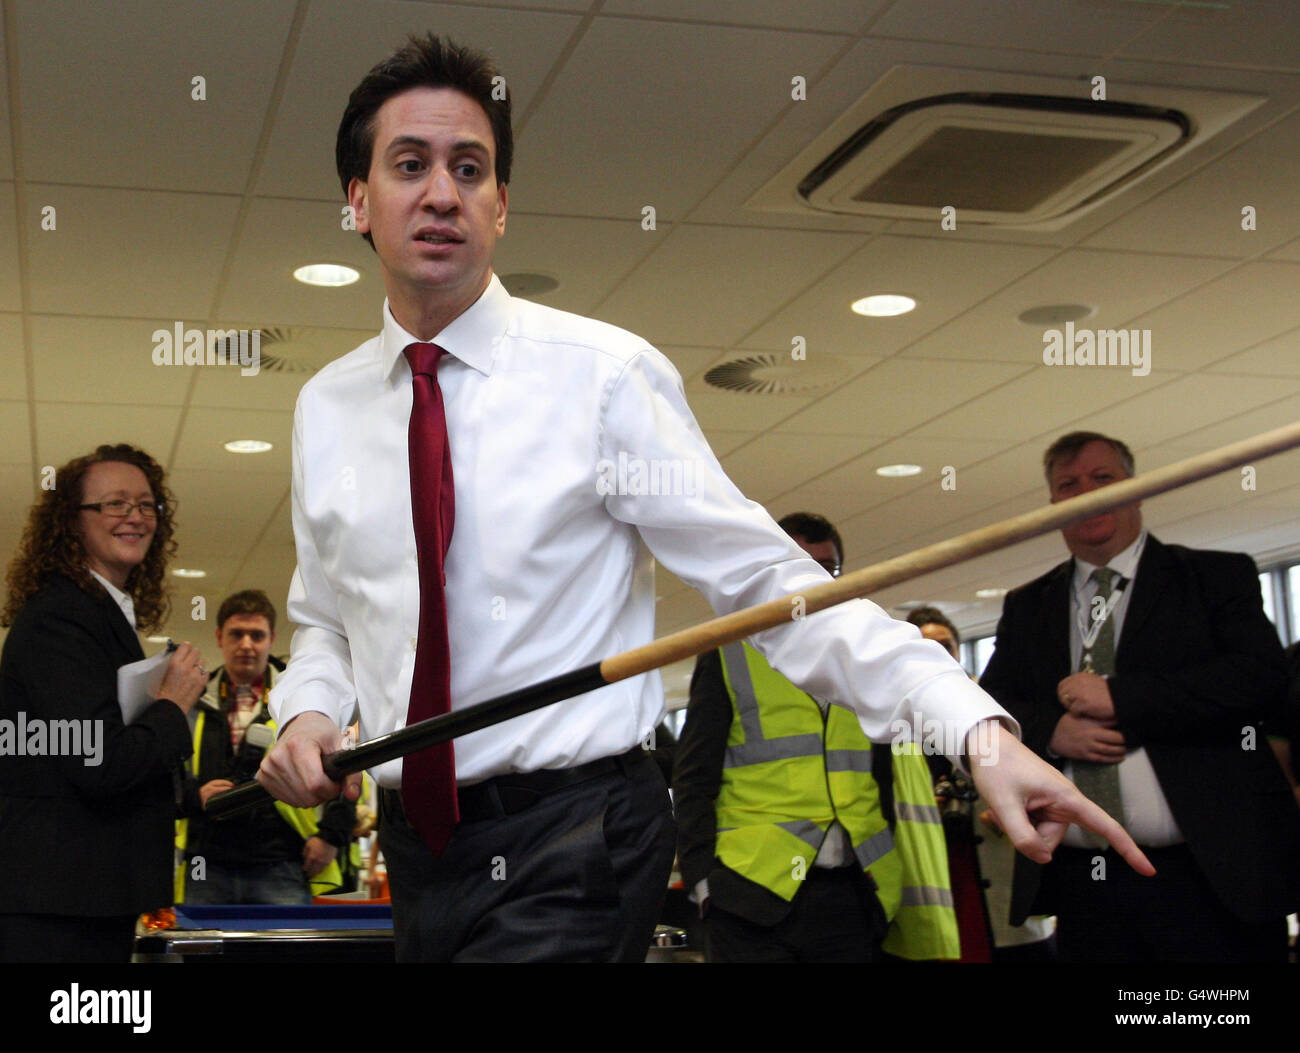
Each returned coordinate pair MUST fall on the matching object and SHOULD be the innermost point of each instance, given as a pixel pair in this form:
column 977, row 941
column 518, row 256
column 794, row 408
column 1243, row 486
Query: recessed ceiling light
column 330, row 275
column 897, row 471
column 885, row 305
column 990, row 594
column 247, row 446
column 184, row 572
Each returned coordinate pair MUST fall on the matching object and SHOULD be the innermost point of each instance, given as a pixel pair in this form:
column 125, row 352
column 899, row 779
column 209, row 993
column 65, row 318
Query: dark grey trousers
column 579, row 876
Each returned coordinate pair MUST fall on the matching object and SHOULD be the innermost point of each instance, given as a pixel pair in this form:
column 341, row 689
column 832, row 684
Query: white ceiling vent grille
column 777, row 374
column 1001, row 149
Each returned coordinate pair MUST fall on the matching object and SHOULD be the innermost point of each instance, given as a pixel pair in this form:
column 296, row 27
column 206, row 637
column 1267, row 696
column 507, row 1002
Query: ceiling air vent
column 1002, row 149
column 777, row 374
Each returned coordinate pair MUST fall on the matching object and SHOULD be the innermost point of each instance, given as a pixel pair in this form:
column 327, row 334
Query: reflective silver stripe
column 874, row 848
column 772, row 749
column 807, row 831
column 917, row 813
column 742, row 686
column 848, row 760
column 926, row 896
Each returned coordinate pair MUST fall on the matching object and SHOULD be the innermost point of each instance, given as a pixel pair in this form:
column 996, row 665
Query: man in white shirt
column 1143, row 670
column 575, row 460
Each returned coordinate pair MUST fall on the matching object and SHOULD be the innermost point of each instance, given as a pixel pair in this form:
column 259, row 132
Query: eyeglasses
column 121, row 509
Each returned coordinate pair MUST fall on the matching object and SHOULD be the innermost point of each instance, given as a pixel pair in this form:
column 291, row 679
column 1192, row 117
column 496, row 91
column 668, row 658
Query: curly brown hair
column 51, row 544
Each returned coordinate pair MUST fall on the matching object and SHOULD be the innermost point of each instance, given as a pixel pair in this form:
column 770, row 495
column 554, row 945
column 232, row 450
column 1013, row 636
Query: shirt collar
column 471, row 337
column 1125, row 562
column 122, row 599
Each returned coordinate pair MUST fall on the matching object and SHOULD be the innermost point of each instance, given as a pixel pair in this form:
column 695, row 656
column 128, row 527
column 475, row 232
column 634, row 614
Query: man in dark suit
column 1143, row 670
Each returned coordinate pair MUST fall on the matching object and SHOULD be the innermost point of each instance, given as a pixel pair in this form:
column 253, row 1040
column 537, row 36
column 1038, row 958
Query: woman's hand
column 185, row 679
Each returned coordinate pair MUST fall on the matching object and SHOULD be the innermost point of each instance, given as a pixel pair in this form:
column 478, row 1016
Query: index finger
column 1092, row 817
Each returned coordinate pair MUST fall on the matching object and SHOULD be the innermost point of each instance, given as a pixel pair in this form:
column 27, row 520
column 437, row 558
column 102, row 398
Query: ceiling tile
column 945, row 277
column 898, row 396
column 65, row 430
column 827, row 16
column 1253, row 303
column 13, row 378
column 1082, row 29
column 687, row 291
column 106, row 360
column 589, row 257
column 685, row 109
column 1043, row 399
column 10, row 300
column 127, row 73
column 773, row 464
column 1164, row 413
column 1279, row 357
column 1261, row 33
column 15, row 435
column 1202, row 215
column 206, row 430
column 1117, row 285
column 120, row 252
column 342, row 39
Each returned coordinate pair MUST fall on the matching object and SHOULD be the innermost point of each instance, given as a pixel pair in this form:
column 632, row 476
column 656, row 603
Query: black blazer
column 84, row 840
column 1198, row 664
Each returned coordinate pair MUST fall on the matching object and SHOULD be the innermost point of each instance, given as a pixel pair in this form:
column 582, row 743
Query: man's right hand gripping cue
column 1034, row 803
column 291, row 770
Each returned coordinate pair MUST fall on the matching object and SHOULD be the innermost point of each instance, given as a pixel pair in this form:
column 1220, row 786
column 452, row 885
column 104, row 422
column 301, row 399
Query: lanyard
column 1089, row 633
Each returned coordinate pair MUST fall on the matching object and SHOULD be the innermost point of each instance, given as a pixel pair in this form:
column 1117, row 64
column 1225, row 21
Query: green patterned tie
column 1100, row 782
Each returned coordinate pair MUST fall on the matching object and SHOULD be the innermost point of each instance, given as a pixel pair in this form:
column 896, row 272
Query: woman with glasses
column 87, row 803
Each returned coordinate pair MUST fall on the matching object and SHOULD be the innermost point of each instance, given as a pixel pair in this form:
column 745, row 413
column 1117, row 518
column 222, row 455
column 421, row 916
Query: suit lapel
column 122, row 630
column 1057, row 620
column 1152, row 573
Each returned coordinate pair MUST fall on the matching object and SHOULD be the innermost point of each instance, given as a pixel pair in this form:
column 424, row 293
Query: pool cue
column 710, row 635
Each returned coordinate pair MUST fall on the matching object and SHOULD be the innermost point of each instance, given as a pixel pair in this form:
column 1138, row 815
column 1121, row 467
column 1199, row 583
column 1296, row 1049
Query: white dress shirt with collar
column 1147, row 815
column 548, row 570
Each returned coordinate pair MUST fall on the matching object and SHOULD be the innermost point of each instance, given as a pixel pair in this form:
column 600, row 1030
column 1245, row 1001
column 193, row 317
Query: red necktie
column 429, row 776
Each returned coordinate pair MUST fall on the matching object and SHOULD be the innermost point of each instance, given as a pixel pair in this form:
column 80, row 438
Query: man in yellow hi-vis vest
column 273, row 854
column 798, row 839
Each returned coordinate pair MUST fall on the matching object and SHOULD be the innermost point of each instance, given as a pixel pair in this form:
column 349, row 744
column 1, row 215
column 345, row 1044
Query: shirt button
column 414, row 643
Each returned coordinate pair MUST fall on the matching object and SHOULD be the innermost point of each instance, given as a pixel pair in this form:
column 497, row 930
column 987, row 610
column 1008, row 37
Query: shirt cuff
column 946, row 708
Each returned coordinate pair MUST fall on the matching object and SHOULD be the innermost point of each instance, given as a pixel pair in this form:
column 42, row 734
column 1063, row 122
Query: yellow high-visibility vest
column 790, row 771
column 303, row 821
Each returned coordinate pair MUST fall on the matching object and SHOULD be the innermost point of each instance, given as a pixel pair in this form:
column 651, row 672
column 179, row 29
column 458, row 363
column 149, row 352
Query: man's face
column 114, row 544
column 1098, row 539
column 941, row 634
column 431, row 201
column 245, row 641
column 821, row 551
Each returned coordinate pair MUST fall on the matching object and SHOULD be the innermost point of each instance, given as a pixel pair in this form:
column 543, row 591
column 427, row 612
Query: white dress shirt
column 547, row 571
column 1147, row 816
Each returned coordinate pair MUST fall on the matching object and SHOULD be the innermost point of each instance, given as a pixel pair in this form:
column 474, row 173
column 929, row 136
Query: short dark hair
column 250, row 601
column 812, row 527
column 1067, row 447
column 423, row 62
column 919, row 616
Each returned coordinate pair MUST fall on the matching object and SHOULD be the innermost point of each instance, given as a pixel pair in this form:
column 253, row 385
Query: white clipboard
column 138, row 683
